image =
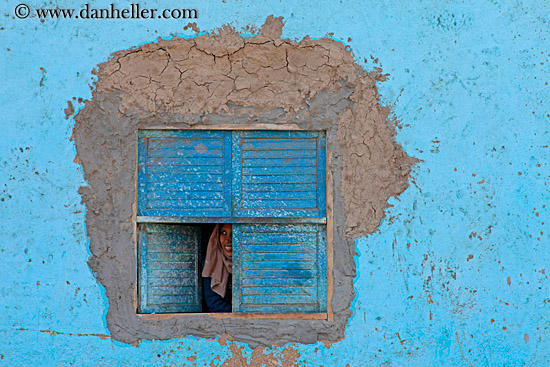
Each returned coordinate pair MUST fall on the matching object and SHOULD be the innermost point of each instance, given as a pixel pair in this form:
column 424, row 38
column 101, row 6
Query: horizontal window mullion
column 250, row 220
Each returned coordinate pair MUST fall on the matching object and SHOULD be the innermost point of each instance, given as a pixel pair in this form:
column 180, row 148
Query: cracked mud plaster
column 223, row 79
column 260, row 357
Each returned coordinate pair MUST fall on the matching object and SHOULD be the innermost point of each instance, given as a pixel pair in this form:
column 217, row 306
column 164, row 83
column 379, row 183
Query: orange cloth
column 217, row 266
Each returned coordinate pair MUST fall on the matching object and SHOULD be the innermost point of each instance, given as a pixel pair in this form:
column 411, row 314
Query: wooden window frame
column 328, row 315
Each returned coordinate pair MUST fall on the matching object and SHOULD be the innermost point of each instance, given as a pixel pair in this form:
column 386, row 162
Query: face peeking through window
column 226, row 241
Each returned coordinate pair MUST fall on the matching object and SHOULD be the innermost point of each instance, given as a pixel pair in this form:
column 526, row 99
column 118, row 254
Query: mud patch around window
column 223, row 79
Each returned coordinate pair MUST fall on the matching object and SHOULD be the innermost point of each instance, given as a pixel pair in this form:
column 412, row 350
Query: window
column 270, row 184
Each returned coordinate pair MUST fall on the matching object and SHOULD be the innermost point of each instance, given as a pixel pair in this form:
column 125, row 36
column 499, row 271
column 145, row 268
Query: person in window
column 218, row 269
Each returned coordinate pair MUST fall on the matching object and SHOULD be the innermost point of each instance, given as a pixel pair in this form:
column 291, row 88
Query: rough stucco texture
column 223, row 78
column 456, row 274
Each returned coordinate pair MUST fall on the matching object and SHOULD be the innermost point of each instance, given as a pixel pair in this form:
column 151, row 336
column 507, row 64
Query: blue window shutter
column 279, row 173
column 279, row 268
column 169, row 265
column 184, row 173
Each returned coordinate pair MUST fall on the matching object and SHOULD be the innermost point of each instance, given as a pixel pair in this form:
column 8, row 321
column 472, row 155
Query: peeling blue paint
column 457, row 273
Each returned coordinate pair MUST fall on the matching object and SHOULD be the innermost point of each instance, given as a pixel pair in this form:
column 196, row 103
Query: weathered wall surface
column 224, row 79
column 456, row 273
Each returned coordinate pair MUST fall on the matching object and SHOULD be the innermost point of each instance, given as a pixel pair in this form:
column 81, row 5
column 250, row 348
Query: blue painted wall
column 457, row 274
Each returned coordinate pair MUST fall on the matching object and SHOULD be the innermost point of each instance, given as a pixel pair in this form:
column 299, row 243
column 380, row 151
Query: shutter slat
column 286, row 154
column 182, row 168
column 164, row 300
column 289, row 204
column 186, row 273
column 282, row 162
column 279, row 238
column 201, row 195
column 184, row 177
column 271, row 188
column 281, row 195
column 282, row 265
column 179, row 153
column 186, row 187
column 182, row 282
column 171, row 265
column 172, row 238
column 171, row 291
column 279, row 282
column 197, row 205
column 268, row 291
column 279, row 144
column 278, row 299
column 170, row 256
column 298, row 248
column 281, row 273
column 171, row 249
column 181, row 161
column 189, row 143
column 279, row 170
column 296, row 178
column 277, row 256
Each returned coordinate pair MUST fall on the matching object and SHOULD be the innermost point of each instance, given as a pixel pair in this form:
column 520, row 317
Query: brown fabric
column 217, row 266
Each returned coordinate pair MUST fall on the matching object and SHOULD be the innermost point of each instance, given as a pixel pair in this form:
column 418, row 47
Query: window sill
column 247, row 315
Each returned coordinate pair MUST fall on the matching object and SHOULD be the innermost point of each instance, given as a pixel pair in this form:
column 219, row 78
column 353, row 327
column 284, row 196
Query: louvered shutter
column 279, row 174
column 169, row 265
column 279, row 268
column 184, row 173
column 254, row 177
